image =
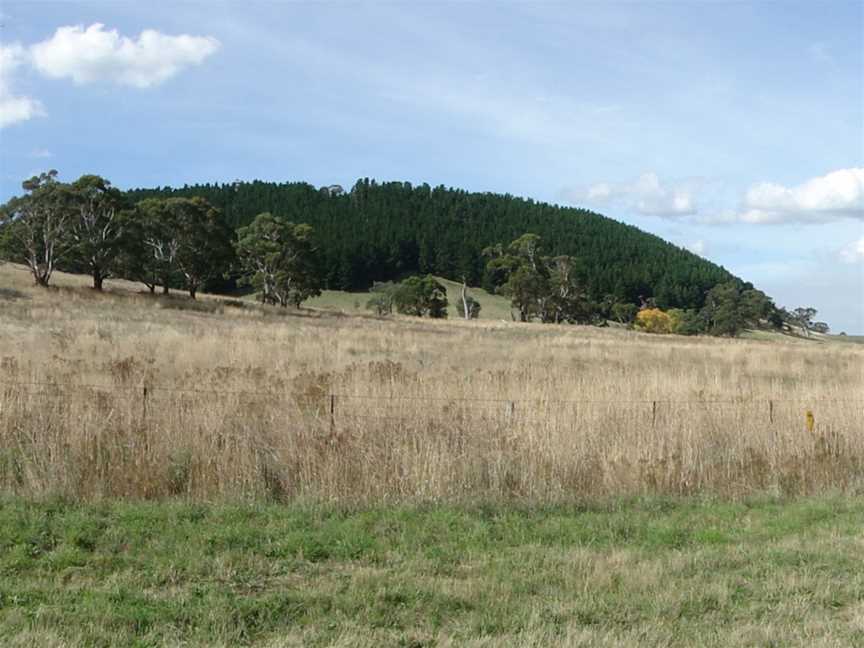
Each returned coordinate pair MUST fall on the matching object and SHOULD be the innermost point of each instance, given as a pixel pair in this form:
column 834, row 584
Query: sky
column 735, row 130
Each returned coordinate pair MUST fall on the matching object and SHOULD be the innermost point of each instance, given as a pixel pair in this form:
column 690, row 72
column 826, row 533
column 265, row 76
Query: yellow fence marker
column 811, row 421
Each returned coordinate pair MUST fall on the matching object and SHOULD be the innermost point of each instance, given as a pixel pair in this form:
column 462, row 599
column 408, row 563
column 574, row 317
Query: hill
column 383, row 231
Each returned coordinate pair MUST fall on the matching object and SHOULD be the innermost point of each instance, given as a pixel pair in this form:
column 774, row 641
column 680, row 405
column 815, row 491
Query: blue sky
column 734, row 129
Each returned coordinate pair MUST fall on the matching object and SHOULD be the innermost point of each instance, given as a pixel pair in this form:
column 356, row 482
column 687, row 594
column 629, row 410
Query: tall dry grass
column 238, row 404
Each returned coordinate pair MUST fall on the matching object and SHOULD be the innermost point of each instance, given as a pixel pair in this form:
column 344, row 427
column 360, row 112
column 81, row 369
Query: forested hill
column 381, row 231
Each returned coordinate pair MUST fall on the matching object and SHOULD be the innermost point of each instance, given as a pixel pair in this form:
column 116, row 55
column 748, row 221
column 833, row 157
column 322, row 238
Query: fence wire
column 146, row 390
column 146, row 400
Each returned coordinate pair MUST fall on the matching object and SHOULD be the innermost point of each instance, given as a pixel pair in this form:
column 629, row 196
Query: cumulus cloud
column 14, row 108
column 97, row 54
column 646, row 195
column 839, row 194
column 854, row 252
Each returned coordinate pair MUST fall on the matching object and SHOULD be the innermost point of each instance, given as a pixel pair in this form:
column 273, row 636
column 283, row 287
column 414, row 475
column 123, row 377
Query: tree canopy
column 36, row 226
column 277, row 258
column 421, row 296
column 561, row 265
column 387, row 231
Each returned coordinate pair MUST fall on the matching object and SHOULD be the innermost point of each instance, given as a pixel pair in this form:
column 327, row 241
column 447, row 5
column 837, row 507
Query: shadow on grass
column 10, row 294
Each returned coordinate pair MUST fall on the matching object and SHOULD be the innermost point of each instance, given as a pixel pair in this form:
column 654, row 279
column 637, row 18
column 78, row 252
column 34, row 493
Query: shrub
column 623, row 313
column 654, row 320
column 686, row 322
column 381, row 300
column 421, row 296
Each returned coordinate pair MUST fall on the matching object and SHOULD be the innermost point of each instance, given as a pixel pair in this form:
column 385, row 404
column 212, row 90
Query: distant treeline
column 386, row 231
column 200, row 238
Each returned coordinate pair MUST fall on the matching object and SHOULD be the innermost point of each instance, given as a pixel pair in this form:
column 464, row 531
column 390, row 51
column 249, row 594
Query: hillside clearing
column 493, row 307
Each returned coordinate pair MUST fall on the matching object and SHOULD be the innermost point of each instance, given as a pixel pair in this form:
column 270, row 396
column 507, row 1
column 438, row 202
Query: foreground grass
column 641, row 572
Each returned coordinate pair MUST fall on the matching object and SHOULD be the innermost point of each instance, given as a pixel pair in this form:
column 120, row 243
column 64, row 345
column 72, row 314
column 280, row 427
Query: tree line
column 90, row 227
column 549, row 288
column 387, row 231
column 170, row 239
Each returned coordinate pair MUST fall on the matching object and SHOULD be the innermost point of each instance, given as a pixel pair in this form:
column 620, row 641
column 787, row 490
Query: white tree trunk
column 465, row 299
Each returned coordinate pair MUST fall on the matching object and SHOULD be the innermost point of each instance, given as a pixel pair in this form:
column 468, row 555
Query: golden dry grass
column 239, row 405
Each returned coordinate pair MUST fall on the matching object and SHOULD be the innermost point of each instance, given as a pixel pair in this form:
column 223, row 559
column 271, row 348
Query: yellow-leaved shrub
column 654, row 320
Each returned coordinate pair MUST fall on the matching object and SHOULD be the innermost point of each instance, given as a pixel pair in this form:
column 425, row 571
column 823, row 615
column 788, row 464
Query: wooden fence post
column 653, row 413
column 144, row 404
column 771, row 411
column 332, row 413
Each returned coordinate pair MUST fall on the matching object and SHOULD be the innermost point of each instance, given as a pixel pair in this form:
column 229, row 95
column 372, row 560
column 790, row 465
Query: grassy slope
column 777, row 336
column 648, row 573
column 493, row 307
column 16, row 277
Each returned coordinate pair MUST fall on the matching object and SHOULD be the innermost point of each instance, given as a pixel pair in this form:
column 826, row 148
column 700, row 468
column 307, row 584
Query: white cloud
column 647, row 195
column 14, row 108
column 837, row 195
column 41, row 154
column 96, row 54
column 718, row 217
column 854, row 252
column 697, row 247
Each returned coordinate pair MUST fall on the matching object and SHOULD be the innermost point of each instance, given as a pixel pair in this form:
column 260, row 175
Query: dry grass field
column 127, row 395
column 219, row 473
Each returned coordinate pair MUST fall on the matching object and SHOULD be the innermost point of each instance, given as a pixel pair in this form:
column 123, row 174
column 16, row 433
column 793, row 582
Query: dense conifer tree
column 381, row 232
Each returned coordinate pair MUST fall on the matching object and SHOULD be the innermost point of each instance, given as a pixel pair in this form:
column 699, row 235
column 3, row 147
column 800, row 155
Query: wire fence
column 148, row 389
column 391, row 407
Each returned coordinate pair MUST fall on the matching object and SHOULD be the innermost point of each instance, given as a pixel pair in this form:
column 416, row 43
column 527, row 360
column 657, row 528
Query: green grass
column 849, row 339
column 493, row 307
column 644, row 572
column 815, row 338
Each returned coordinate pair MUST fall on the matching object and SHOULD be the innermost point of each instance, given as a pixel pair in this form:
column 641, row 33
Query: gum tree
column 37, row 225
column 276, row 257
column 96, row 226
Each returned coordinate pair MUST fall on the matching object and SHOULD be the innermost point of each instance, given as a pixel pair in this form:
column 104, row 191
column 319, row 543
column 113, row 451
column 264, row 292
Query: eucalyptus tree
column 201, row 246
column 96, row 226
column 803, row 318
column 729, row 309
column 470, row 306
column 150, row 243
column 37, row 226
column 421, row 297
column 539, row 287
column 520, row 275
column 567, row 300
column 276, row 257
column 176, row 241
column 381, row 299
